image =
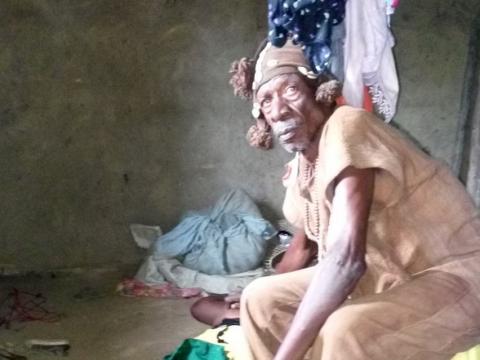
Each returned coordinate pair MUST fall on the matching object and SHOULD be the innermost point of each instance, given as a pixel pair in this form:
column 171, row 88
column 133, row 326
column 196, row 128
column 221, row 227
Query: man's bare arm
column 300, row 252
column 338, row 273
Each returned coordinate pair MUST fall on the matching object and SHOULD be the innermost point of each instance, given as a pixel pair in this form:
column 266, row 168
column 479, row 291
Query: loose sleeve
column 356, row 138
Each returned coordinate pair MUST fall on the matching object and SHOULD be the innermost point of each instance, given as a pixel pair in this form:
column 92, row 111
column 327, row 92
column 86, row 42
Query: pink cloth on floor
column 135, row 288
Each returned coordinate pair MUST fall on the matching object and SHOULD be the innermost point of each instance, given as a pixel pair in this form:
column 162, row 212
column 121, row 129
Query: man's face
column 289, row 107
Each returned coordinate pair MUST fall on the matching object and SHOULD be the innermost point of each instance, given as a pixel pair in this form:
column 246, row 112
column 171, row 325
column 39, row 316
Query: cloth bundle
column 230, row 238
column 159, row 270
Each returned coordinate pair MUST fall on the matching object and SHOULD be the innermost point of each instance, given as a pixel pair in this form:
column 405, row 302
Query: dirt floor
column 99, row 324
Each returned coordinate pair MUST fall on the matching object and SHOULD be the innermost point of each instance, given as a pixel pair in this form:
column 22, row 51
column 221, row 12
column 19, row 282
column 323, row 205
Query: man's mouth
column 287, row 134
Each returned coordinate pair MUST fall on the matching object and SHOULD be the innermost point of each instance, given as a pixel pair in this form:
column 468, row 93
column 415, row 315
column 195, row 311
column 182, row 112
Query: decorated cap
column 274, row 61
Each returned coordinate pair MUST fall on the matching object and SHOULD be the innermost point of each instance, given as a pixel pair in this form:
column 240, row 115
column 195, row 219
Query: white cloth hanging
column 369, row 58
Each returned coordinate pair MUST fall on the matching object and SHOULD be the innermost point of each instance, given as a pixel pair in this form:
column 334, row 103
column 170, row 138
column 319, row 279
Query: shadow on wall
column 468, row 134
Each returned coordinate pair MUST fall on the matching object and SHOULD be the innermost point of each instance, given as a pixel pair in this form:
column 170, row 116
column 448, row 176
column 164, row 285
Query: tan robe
column 420, row 296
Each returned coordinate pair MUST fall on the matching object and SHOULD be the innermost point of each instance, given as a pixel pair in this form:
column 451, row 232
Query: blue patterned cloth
column 309, row 24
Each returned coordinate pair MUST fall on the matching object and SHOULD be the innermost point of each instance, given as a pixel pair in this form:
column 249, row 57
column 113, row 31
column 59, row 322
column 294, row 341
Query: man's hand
column 233, row 300
column 299, row 254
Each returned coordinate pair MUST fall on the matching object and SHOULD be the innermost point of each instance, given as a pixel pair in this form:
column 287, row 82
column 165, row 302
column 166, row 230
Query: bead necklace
column 312, row 207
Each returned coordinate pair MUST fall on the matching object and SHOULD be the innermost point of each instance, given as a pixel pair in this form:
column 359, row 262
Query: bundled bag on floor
column 229, row 238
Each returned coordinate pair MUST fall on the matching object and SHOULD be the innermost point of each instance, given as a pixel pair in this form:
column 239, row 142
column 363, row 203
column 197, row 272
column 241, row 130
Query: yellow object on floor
column 472, row 354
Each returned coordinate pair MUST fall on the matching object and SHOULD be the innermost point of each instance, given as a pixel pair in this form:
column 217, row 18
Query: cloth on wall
column 368, row 57
column 308, row 23
column 337, row 45
column 391, row 7
column 229, row 238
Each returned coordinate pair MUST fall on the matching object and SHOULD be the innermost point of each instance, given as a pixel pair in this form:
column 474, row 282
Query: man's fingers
column 235, row 305
column 232, row 298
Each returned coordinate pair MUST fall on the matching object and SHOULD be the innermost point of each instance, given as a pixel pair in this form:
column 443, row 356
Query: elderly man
column 398, row 273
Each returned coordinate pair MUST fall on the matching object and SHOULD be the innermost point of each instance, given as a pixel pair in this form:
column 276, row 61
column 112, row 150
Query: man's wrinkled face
column 289, row 107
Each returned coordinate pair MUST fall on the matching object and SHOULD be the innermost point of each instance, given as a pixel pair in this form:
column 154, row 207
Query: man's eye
column 265, row 103
column 291, row 90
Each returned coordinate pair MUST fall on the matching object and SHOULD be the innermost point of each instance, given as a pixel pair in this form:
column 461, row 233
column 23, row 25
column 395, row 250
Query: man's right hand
column 233, row 300
column 299, row 254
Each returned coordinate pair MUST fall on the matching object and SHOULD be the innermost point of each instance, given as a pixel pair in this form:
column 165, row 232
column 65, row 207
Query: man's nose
column 280, row 109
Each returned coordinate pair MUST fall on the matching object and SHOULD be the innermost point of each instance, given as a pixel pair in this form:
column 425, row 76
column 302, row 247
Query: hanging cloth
column 308, row 23
column 369, row 58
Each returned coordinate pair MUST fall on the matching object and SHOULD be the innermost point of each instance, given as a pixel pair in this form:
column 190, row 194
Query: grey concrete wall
column 113, row 112
column 432, row 40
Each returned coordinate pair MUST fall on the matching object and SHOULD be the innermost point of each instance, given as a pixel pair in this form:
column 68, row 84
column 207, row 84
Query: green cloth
column 194, row 349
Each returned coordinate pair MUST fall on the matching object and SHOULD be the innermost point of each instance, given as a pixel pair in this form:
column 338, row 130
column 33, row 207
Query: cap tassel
column 327, row 92
column 243, row 72
column 260, row 135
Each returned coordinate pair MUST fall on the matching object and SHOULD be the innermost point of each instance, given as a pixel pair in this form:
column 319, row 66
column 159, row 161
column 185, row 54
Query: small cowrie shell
column 256, row 110
column 272, row 63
